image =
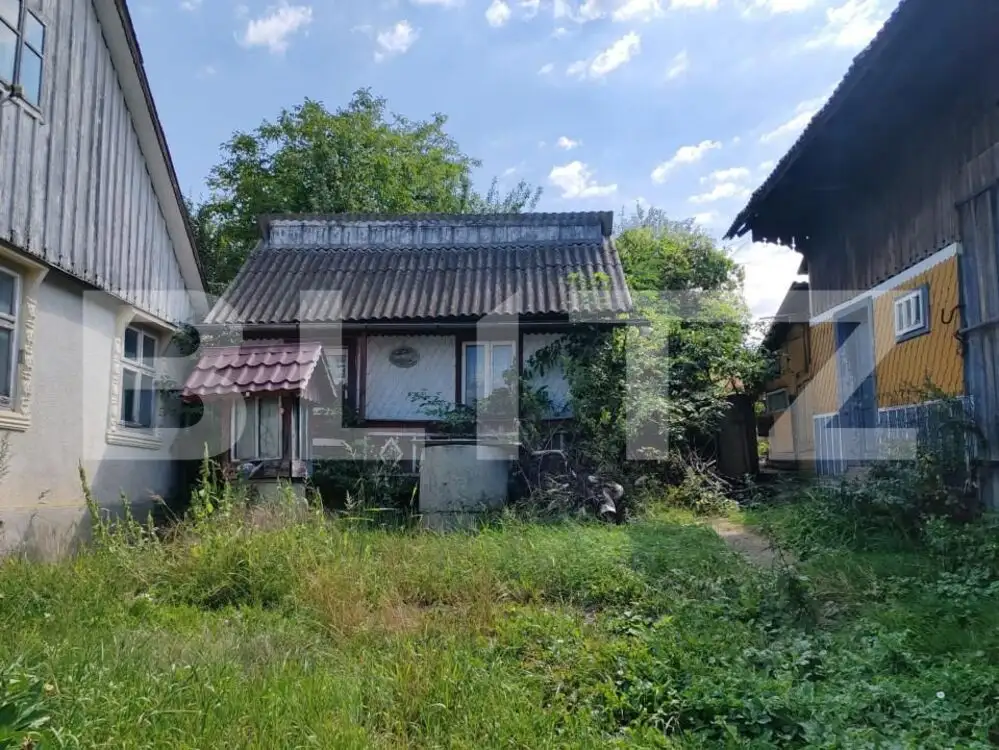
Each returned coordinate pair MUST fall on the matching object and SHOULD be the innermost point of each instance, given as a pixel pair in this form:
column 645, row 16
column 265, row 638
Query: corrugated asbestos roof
column 257, row 368
column 857, row 68
column 377, row 268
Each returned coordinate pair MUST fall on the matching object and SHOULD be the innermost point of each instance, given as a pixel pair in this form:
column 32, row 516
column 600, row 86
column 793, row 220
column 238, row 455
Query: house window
column 484, row 366
column 336, row 361
column 911, row 314
column 22, row 49
column 259, row 435
column 10, row 291
column 138, row 373
column 777, row 401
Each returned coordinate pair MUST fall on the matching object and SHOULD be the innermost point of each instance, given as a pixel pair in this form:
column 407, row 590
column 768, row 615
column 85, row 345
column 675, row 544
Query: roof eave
column 743, row 222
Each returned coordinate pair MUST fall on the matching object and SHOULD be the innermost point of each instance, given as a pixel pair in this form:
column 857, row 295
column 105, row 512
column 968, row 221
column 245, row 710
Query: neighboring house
column 890, row 194
column 787, row 414
column 97, row 264
column 439, row 304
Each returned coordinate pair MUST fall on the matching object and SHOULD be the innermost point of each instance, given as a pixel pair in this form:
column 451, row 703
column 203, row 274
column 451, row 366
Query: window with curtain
column 485, row 367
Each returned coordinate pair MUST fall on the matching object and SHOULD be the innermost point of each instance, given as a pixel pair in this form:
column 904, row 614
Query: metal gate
column 979, row 270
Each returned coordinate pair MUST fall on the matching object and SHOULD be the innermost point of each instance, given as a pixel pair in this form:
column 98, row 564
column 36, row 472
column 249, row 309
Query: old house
column 97, row 264
column 890, row 195
column 786, row 416
column 409, row 312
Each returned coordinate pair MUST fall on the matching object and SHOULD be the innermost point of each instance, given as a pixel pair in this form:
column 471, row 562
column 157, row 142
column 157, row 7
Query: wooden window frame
column 906, row 305
column 766, row 401
column 255, row 400
column 488, row 345
column 12, row 323
column 14, row 85
column 139, row 369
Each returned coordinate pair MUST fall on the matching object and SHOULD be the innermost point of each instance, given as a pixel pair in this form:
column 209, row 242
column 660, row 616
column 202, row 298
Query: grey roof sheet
column 377, row 268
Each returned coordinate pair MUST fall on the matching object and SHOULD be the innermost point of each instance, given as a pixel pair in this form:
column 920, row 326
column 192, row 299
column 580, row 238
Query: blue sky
column 680, row 104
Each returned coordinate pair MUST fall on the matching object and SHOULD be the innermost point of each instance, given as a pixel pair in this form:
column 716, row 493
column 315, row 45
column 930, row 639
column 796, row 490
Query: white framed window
column 911, row 314
column 138, row 379
column 259, row 434
column 777, row 401
column 22, row 50
column 484, row 365
column 10, row 305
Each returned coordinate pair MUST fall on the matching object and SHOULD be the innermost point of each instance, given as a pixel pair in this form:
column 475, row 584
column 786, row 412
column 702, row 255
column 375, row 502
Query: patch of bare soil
column 751, row 545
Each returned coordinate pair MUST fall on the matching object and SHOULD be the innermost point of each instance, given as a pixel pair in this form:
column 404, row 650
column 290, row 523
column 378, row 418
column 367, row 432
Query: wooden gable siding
column 904, row 208
column 74, row 187
column 904, row 369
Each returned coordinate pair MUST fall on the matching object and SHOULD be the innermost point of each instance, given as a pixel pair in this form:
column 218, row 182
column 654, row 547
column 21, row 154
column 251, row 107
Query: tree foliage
column 359, row 159
column 663, row 385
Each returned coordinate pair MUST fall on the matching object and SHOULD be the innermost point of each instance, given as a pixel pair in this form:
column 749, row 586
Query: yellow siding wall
column 782, row 437
column 822, row 388
column 903, row 368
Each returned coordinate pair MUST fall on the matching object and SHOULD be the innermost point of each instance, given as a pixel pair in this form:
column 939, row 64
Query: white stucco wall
column 388, row 387
column 41, row 496
column 554, row 380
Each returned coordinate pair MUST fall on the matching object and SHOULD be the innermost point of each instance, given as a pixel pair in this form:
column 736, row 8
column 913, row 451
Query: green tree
column 359, row 159
column 667, row 381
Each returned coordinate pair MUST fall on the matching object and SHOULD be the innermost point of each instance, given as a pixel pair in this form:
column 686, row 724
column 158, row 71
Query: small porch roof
column 298, row 368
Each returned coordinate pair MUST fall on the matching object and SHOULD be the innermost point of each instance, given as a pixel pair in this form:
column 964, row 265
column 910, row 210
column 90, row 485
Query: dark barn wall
column 902, row 209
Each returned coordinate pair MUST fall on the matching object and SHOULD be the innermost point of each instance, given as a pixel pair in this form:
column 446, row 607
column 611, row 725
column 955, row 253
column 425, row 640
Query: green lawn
column 328, row 634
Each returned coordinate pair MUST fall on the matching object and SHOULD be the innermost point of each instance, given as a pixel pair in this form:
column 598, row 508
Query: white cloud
column 560, row 32
column 732, row 174
column 498, row 13
column 638, row 10
column 770, row 269
column 683, row 155
column 546, row 69
column 706, row 218
column 576, row 181
column 530, row 7
column 722, row 191
column 612, row 58
column 767, row 166
column 852, row 24
column 567, row 143
column 779, row 6
column 696, row 4
column 395, row 40
column 190, row 4
column 442, row 3
column 678, row 66
column 509, row 171
column 802, row 116
column 274, row 29
column 207, row 71
column 589, row 10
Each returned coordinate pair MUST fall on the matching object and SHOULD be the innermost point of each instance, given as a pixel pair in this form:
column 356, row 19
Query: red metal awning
column 261, row 368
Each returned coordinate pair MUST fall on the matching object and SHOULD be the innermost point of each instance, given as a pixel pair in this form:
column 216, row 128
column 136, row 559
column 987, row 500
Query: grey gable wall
column 75, row 189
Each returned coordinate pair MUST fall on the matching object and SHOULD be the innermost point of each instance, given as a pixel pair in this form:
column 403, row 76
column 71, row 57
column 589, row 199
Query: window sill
column 14, row 422
column 134, row 439
column 902, row 338
column 29, row 109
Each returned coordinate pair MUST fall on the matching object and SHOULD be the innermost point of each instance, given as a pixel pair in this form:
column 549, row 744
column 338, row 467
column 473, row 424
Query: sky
column 685, row 105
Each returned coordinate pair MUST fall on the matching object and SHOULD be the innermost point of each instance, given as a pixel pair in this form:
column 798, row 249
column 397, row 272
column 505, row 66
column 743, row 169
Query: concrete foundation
column 461, row 480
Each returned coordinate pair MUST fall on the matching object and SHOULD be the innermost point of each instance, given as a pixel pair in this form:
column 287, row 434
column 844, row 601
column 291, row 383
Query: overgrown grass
column 289, row 629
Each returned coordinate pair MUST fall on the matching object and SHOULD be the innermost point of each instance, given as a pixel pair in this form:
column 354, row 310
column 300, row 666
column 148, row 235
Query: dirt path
column 745, row 541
